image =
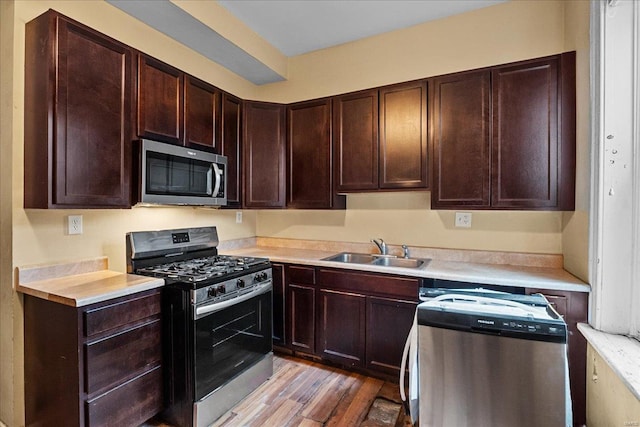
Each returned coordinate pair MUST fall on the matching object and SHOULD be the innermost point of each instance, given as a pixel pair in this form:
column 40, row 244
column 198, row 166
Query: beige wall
column 10, row 354
column 609, row 401
column 575, row 236
column 406, row 218
column 503, row 33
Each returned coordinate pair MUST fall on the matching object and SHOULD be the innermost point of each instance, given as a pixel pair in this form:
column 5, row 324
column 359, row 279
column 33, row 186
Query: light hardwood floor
column 308, row 394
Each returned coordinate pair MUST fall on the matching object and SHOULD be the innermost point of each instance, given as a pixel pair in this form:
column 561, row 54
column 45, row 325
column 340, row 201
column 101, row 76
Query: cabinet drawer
column 301, row 275
column 112, row 360
column 128, row 405
column 104, row 318
column 398, row 287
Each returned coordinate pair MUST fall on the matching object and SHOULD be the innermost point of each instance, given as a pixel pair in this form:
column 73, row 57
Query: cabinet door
column 78, row 139
column 341, row 327
column 201, row 115
column 160, row 100
column 301, row 302
column 232, row 147
column 403, row 136
column 525, row 139
column 309, row 177
column 388, row 325
column 355, row 139
column 279, row 304
column 264, row 155
column 460, row 106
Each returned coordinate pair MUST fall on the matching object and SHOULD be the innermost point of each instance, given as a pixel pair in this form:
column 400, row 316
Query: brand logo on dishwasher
column 486, row 322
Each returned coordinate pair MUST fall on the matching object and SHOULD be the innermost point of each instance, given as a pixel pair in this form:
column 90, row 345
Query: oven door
column 229, row 340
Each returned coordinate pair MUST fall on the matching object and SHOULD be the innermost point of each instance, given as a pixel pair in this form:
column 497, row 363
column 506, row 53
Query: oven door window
column 174, row 175
column 229, row 341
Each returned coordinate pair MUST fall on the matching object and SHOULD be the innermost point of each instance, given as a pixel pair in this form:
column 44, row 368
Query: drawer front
column 297, row 274
column 398, row 287
column 113, row 360
column 107, row 317
column 128, row 405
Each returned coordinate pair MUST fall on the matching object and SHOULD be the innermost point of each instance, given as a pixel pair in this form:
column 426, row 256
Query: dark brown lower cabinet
column 388, row 324
column 279, row 301
column 341, row 327
column 98, row 365
column 573, row 307
column 354, row 319
column 301, row 308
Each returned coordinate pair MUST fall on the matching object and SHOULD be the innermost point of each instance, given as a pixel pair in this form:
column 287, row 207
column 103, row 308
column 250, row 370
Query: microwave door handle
column 209, row 176
column 218, row 174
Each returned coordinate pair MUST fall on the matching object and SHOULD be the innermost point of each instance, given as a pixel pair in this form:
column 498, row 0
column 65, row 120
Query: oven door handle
column 262, row 288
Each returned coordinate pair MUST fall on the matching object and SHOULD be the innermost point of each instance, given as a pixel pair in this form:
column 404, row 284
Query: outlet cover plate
column 75, row 224
column 463, row 219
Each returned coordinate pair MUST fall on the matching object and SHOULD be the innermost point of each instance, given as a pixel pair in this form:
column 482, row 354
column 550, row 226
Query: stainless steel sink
column 351, row 257
column 399, row 262
column 384, row 261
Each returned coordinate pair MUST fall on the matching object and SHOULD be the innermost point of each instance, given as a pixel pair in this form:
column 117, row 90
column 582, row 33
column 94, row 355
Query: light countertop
column 80, row 283
column 552, row 278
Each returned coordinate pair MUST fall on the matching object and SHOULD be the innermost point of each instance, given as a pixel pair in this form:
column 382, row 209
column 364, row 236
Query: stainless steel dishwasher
column 490, row 360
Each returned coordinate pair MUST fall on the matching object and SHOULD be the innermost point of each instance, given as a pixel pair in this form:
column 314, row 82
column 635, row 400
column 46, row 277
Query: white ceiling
column 300, row 26
column 292, row 26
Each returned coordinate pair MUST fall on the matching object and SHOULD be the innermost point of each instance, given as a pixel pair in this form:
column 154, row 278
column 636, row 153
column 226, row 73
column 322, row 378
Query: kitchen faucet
column 381, row 245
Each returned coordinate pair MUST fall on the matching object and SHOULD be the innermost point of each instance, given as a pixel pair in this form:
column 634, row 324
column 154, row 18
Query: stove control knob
column 261, row 277
column 240, row 283
column 212, row 292
column 221, row 289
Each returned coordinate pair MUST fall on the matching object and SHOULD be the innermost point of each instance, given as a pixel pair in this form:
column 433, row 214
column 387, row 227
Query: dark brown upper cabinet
column 160, row 100
column 403, row 136
column 264, row 155
column 355, row 139
column 504, row 137
column 380, row 139
column 533, row 141
column 309, row 172
column 78, row 98
column 461, row 121
column 201, row 114
column 231, row 147
column 177, row 108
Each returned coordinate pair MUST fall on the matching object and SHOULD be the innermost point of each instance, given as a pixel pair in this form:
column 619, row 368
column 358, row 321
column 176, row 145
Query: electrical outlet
column 463, row 219
column 238, row 217
column 75, row 224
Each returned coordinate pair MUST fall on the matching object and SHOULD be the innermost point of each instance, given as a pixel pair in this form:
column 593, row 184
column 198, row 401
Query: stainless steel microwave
column 175, row 175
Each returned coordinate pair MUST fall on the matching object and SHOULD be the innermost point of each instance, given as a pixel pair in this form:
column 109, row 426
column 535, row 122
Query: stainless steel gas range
column 217, row 320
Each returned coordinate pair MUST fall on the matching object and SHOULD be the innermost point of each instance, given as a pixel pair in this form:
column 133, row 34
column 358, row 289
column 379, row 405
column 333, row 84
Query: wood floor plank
column 303, row 393
column 356, row 412
column 327, row 397
column 283, row 415
column 300, row 421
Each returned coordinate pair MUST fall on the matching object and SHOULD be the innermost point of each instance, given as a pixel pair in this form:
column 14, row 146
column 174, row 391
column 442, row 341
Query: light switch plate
column 75, row 224
column 238, row 217
column 463, row 219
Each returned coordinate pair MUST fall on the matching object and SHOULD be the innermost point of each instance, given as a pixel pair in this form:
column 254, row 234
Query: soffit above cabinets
column 293, row 27
column 187, row 29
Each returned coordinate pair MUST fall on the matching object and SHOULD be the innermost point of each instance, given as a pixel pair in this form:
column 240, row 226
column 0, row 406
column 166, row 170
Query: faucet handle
column 405, row 251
